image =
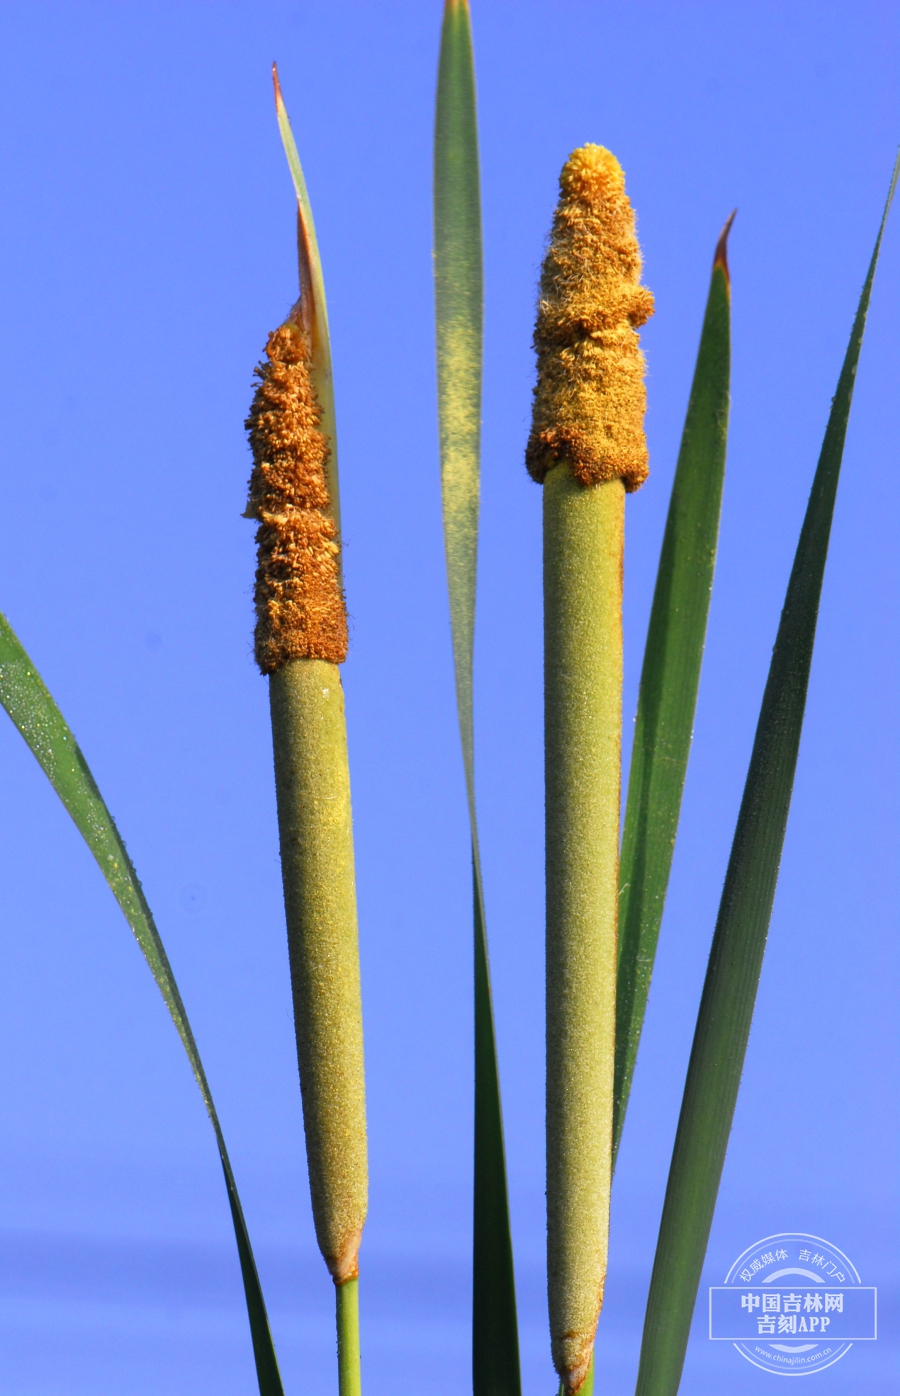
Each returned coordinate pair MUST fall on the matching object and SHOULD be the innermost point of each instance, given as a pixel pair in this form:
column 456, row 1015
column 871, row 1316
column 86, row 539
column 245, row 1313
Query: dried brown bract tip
column 589, row 401
column 300, row 612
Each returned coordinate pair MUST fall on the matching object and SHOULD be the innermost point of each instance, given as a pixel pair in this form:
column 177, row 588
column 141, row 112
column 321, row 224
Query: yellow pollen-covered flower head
column 300, row 612
column 590, row 400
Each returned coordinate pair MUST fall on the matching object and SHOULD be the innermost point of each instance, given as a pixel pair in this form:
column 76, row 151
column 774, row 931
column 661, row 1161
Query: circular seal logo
column 793, row 1304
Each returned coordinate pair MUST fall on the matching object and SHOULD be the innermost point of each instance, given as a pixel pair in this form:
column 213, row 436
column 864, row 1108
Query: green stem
column 583, row 544
column 314, row 819
column 349, row 1376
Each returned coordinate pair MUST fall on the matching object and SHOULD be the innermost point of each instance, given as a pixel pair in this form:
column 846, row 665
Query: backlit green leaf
column 459, row 313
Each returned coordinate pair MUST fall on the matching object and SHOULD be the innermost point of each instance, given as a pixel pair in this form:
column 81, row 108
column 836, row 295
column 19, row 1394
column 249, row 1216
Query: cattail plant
column 587, row 448
column 301, row 639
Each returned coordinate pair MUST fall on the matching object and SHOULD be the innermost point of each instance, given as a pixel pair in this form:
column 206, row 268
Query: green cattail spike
column 314, row 820
column 301, row 639
column 587, row 446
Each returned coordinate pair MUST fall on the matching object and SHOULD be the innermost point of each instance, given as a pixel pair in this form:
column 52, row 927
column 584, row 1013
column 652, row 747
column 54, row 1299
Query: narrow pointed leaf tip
column 310, row 313
column 287, row 136
column 721, row 257
column 308, row 247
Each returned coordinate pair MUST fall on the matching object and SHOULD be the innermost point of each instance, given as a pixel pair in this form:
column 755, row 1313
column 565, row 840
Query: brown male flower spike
column 589, row 401
column 300, row 612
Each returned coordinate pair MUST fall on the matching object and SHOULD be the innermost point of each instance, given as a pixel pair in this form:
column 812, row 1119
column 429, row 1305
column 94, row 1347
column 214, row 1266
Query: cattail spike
column 301, row 639
column 590, row 400
column 300, row 612
column 587, row 448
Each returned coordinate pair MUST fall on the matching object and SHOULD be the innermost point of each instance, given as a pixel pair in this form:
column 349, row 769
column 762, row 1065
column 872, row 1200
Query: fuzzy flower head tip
column 590, row 400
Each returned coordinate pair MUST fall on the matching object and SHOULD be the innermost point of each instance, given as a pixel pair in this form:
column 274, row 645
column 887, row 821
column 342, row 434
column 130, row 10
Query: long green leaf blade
column 459, row 315
column 32, row 709
column 671, row 676
column 735, row 962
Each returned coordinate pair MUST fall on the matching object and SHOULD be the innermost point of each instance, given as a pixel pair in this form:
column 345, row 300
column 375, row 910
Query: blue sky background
column 146, row 249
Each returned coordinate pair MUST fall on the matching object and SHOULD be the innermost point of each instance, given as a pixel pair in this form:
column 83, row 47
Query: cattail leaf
column 671, row 676
column 312, row 305
column 459, row 315
column 32, row 709
column 735, row 962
